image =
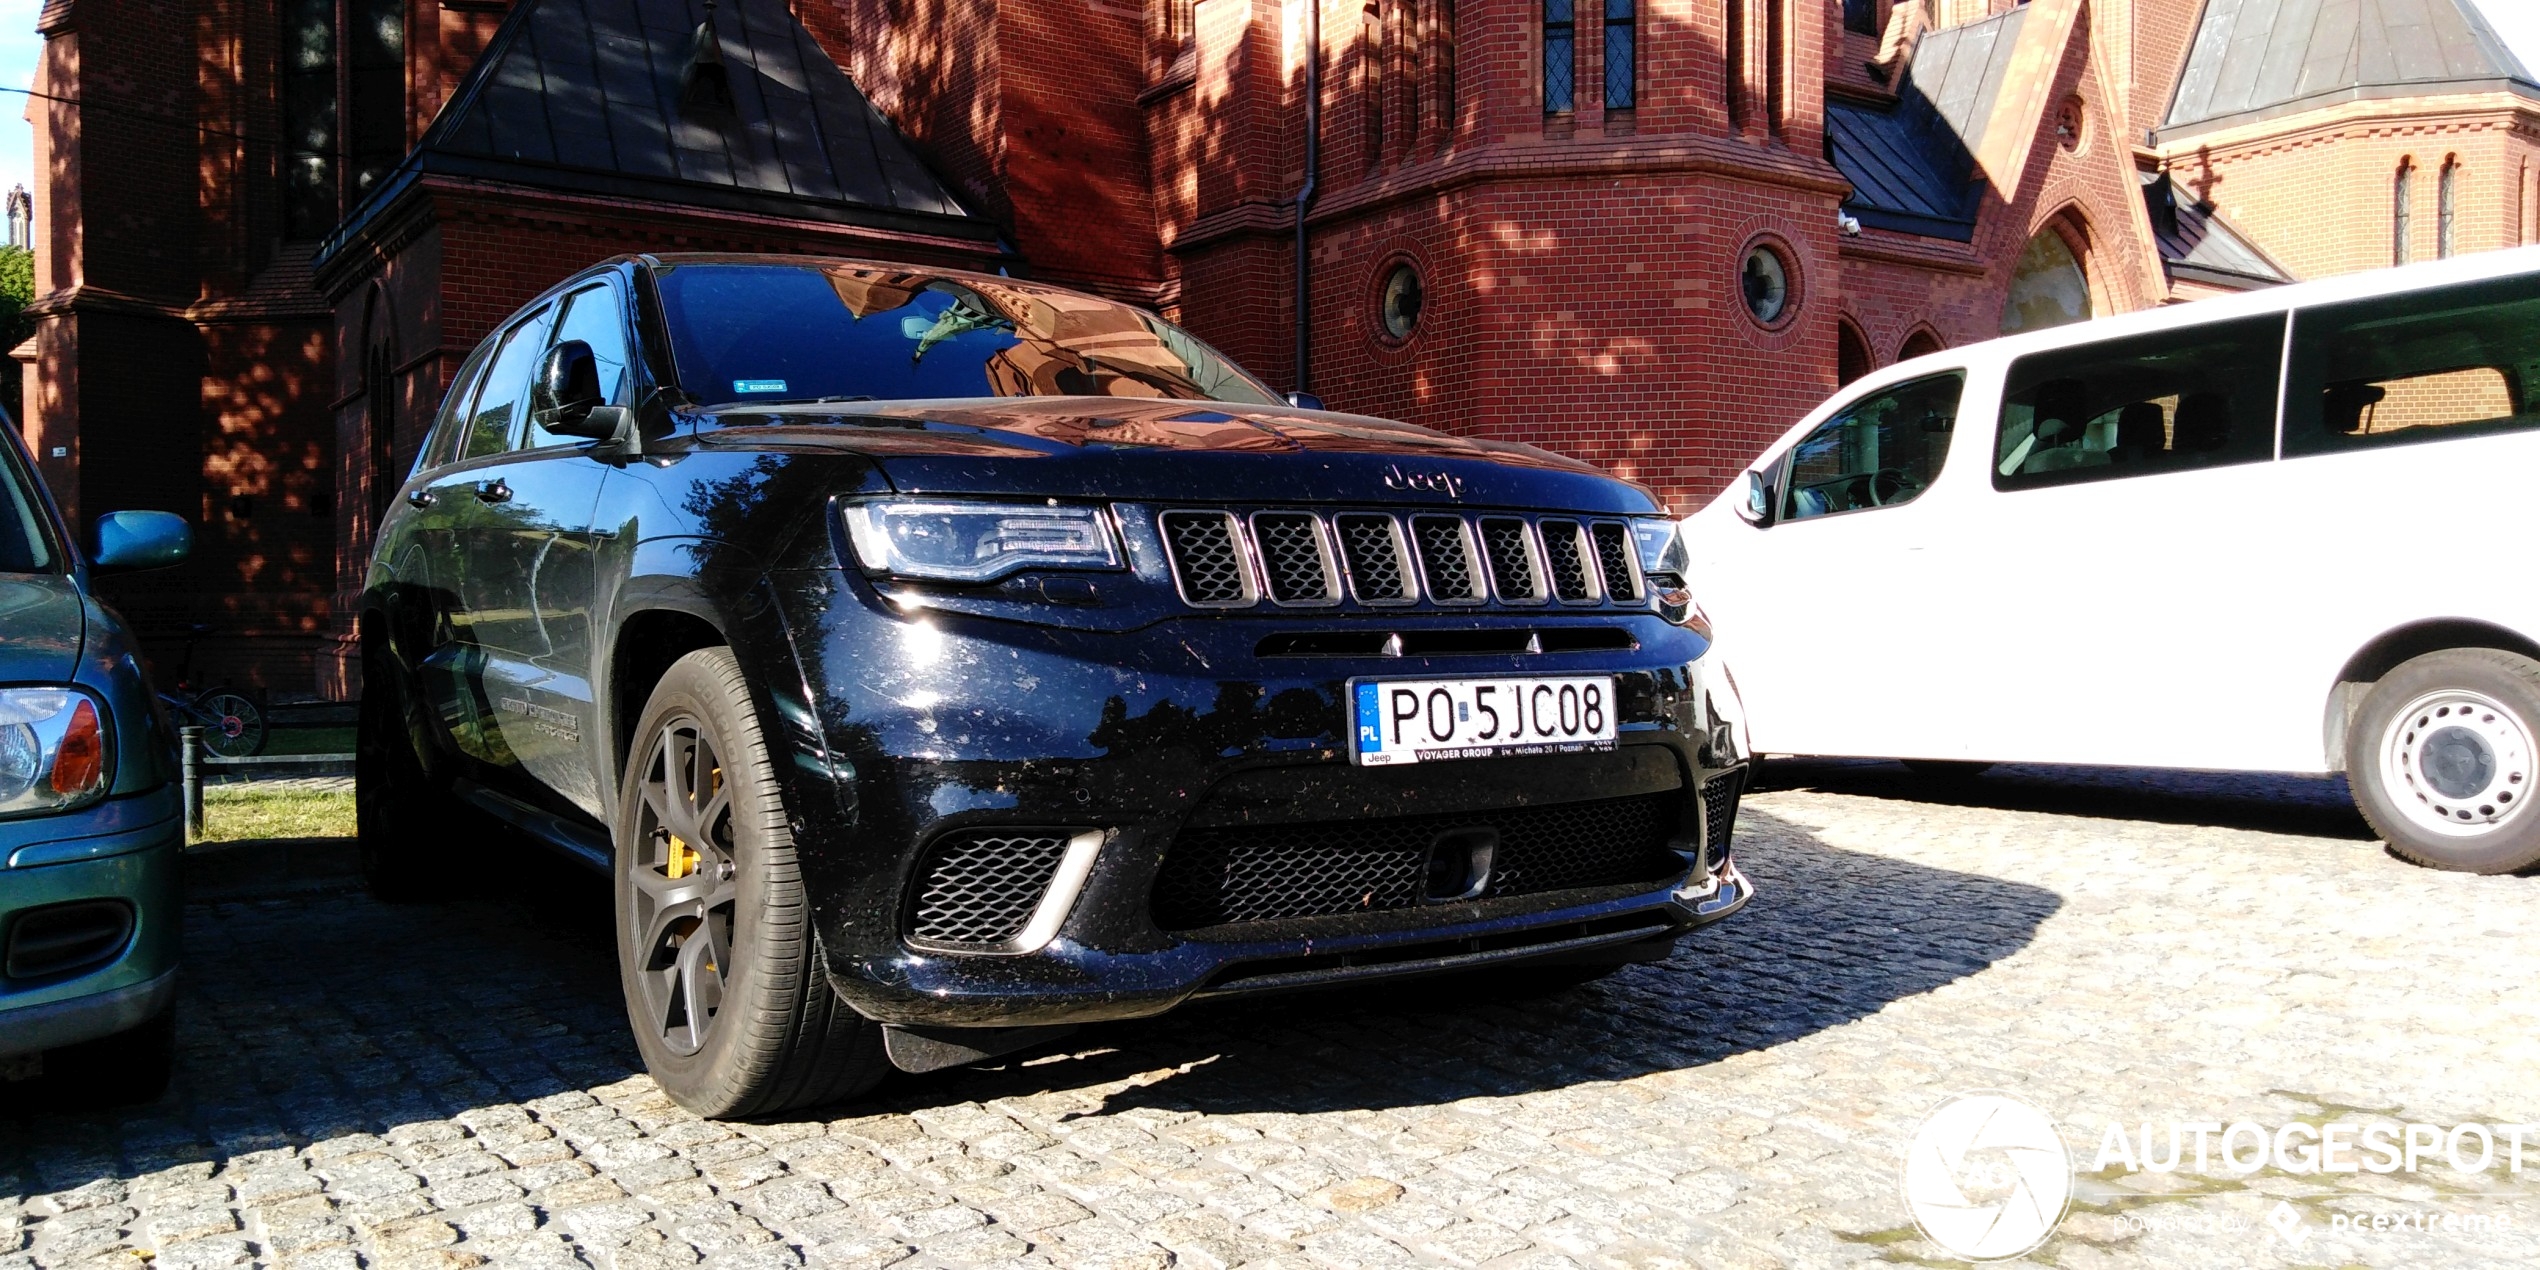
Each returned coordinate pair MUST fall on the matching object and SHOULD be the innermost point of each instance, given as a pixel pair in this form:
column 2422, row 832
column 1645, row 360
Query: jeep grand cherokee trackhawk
column 938, row 661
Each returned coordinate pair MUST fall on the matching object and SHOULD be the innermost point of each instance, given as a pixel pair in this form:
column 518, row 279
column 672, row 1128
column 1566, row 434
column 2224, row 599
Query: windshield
column 762, row 333
column 24, row 546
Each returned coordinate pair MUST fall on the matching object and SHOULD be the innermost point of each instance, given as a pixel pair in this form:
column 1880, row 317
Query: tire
column 2441, row 760
column 735, row 944
column 1947, row 769
column 123, row 1070
column 398, row 810
column 233, row 726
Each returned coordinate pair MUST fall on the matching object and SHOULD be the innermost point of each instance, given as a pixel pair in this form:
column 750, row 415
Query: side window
column 1880, row 451
column 594, row 316
column 505, row 396
column 447, row 427
column 2428, row 366
column 2171, row 401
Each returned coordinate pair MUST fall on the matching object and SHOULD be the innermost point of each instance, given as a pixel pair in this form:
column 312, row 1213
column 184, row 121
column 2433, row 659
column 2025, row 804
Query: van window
column 2171, row 401
column 2425, row 366
column 1880, row 451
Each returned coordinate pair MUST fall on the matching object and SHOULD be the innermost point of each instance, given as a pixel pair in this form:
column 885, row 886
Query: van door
column 2412, row 438
column 2127, row 545
column 1822, row 655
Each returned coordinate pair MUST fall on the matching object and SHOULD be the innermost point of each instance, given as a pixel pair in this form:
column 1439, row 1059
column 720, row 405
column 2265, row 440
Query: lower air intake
column 982, row 886
column 1251, row 873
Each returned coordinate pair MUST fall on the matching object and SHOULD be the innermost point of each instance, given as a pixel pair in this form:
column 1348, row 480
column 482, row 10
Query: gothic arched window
column 2402, row 194
column 336, row 54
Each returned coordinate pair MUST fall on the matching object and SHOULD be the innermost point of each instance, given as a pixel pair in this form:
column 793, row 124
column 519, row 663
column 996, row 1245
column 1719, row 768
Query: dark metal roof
column 2254, row 59
column 584, row 97
column 2197, row 245
column 1912, row 165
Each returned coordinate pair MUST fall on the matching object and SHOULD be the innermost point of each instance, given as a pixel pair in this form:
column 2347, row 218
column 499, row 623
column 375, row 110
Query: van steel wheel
column 721, row 969
column 2441, row 760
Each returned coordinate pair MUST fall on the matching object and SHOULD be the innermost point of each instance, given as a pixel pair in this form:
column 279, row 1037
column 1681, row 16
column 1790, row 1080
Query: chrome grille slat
column 1509, row 543
column 1446, row 559
column 1565, row 556
column 1379, row 561
column 1208, row 559
column 1296, row 566
column 1614, row 551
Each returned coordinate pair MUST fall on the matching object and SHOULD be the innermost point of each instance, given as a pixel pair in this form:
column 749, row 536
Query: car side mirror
column 568, row 391
column 129, row 541
column 1758, row 507
column 1305, row 401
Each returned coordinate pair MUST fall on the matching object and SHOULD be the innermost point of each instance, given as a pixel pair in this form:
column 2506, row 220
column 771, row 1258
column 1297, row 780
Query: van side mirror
column 1759, row 499
column 567, row 391
column 129, row 541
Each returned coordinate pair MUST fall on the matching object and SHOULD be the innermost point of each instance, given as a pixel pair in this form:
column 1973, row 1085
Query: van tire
column 1946, row 769
column 2489, row 755
column 777, row 1036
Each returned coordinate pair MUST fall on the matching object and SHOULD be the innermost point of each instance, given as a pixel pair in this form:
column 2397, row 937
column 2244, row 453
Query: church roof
column 2198, row 245
column 2257, row 59
column 1912, row 164
column 586, row 97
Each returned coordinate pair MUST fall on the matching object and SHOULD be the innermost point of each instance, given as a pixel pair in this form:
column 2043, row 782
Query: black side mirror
column 567, row 391
column 1305, row 401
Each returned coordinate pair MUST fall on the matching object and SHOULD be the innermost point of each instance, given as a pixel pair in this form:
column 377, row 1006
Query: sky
column 2517, row 20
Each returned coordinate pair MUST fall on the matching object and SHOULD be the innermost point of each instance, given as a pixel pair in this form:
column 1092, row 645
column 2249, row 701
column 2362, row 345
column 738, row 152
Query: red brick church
column 1650, row 233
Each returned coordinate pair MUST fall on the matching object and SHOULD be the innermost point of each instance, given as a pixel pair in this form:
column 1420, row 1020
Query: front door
column 1825, row 653
column 530, row 563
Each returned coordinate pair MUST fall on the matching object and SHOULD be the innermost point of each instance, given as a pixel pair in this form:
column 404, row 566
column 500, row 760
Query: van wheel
column 724, row 979
column 397, row 811
column 2440, row 760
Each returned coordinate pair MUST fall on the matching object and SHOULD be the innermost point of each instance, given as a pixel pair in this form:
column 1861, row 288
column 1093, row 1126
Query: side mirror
column 126, row 541
column 567, row 391
column 1759, row 499
column 1305, row 401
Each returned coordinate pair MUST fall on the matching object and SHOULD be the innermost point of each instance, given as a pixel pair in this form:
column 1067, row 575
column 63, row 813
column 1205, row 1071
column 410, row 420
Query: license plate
column 1424, row 720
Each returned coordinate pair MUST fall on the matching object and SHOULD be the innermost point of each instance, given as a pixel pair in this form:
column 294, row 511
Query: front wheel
column 2440, row 760
column 720, row 966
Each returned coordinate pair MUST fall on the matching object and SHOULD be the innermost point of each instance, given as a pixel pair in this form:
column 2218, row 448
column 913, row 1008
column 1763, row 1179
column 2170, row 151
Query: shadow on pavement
column 2312, row 806
column 316, row 1016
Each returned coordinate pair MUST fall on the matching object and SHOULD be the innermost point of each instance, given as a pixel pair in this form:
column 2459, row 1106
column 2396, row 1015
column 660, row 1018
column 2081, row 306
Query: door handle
column 493, row 491
column 421, row 499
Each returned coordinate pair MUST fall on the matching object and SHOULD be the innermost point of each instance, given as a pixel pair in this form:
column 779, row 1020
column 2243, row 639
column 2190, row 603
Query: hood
column 44, row 619
column 1167, row 451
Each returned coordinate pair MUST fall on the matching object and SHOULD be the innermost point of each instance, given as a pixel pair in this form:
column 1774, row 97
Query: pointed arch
column 381, row 473
column 1922, row 341
column 2053, row 282
column 1852, row 355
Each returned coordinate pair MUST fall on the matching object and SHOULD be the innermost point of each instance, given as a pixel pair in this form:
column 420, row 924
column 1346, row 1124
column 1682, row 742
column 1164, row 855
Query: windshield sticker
column 758, row 385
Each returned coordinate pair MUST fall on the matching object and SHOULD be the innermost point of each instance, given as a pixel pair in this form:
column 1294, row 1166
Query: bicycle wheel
column 233, row 727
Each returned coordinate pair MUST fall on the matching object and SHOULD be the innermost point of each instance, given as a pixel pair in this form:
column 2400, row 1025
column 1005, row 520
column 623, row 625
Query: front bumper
column 945, row 724
column 124, row 849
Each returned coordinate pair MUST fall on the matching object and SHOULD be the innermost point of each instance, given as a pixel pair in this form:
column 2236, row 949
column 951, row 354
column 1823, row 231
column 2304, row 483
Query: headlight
column 979, row 542
column 1664, row 561
column 52, row 749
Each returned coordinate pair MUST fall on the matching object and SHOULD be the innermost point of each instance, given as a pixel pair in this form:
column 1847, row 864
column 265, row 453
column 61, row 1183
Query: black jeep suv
column 939, row 661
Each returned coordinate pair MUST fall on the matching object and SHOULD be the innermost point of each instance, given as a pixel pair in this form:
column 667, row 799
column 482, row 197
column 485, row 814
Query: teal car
column 91, row 816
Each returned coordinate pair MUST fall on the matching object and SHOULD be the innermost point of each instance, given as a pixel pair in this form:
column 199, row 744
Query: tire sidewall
column 2514, row 846
column 699, row 1080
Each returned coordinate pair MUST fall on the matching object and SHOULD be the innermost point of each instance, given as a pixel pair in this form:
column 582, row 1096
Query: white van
column 2280, row 531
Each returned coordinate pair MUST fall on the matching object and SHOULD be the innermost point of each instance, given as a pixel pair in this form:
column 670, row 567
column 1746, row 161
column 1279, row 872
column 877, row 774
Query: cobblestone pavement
column 450, row 1087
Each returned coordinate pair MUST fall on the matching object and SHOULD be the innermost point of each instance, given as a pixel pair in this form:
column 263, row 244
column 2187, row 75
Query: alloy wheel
column 681, row 885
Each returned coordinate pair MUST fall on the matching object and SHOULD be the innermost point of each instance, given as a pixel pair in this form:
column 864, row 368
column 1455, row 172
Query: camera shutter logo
column 1987, row 1177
